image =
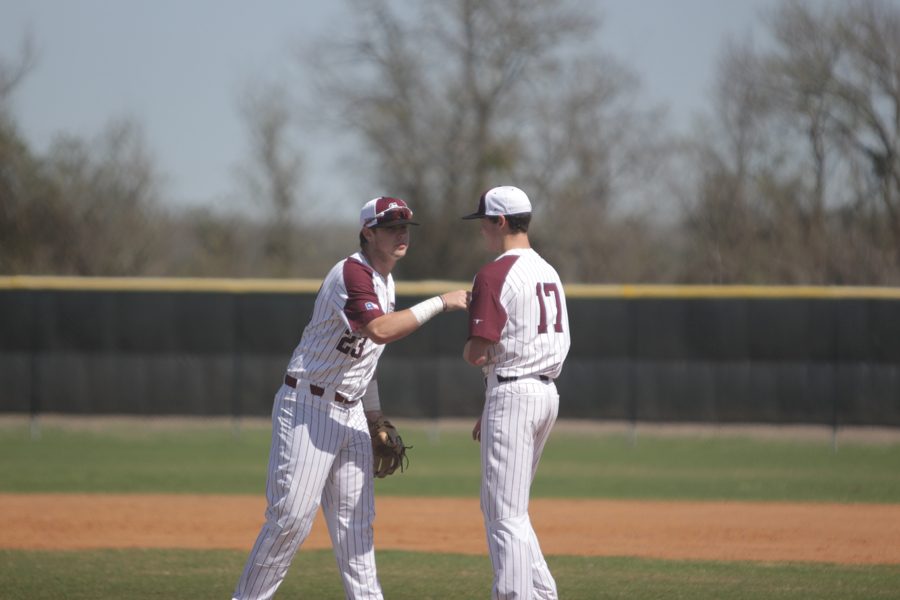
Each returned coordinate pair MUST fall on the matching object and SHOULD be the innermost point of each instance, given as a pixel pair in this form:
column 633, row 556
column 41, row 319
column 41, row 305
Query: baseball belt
column 502, row 379
column 317, row 391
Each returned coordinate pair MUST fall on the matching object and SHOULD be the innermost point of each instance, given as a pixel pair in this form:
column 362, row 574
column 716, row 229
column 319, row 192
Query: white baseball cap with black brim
column 505, row 200
column 385, row 211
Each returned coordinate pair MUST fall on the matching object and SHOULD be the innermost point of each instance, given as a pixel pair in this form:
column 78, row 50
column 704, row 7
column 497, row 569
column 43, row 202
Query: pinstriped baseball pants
column 515, row 425
column 321, row 453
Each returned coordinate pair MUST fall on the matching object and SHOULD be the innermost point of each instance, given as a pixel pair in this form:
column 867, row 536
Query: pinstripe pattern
column 515, row 425
column 321, row 451
column 518, row 302
column 318, row 357
column 530, row 294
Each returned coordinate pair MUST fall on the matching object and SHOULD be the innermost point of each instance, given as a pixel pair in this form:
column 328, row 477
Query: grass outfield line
column 211, row 458
column 200, row 575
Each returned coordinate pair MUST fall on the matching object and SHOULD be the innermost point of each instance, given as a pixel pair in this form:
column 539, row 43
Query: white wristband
column 427, row 309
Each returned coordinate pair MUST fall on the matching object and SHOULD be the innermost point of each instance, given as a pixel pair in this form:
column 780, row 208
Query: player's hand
column 456, row 300
column 476, row 350
column 476, row 431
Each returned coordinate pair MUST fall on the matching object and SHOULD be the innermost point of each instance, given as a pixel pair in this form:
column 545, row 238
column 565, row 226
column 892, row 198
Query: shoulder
column 355, row 272
column 494, row 273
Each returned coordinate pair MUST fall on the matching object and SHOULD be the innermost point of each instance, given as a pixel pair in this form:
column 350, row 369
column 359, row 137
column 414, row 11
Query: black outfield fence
column 643, row 353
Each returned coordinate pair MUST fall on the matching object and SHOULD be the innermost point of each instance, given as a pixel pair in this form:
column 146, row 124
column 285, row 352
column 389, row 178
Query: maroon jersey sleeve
column 362, row 301
column 486, row 313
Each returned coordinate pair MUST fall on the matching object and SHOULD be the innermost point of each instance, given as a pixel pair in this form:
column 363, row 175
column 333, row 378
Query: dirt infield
column 819, row 532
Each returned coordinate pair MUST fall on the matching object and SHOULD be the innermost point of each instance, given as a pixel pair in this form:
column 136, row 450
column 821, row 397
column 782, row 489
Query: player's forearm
column 391, row 327
column 396, row 325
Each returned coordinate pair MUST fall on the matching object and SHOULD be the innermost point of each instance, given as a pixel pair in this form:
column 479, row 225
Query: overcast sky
column 177, row 66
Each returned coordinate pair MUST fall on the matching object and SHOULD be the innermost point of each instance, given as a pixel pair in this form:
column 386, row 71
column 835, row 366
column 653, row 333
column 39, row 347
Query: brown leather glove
column 387, row 448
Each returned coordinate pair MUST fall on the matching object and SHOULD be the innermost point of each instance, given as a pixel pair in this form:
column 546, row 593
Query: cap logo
column 385, row 210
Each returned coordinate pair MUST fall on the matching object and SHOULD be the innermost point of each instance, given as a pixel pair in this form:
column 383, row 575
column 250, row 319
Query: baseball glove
column 387, row 447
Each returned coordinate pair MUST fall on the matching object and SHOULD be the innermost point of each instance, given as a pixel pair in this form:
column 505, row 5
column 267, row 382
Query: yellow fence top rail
column 729, row 291
column 430, row 287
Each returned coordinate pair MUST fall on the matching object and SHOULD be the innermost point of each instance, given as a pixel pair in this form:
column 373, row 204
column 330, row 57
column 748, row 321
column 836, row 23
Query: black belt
column 317, row 391
column 502, row 379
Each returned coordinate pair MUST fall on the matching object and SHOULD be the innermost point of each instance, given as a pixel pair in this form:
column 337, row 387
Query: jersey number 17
column 544, row 291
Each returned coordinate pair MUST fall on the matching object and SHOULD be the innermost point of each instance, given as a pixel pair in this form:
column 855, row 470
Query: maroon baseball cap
column 382, row 211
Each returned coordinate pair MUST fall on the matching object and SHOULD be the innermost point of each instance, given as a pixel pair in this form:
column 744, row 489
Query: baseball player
column 519, row 336
column 321, row 450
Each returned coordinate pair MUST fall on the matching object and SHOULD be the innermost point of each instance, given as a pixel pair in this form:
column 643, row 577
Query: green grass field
column 191, row 458
column 215, row 459
column 177, row 574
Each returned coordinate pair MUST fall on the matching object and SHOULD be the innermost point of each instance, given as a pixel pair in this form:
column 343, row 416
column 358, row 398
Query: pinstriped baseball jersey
column 330, row 352
column 321, row 451
column 518, row 303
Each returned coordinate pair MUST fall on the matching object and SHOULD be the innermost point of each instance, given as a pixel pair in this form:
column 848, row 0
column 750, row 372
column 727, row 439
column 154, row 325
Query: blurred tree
column 726, row 225
column 794, row 179
column 272, row 174
column 30, row 208
column 108, row 191
column 800, row 182
column 211, row 243
column 87, row 208
column 13, row 72
column 29, row 203
column 455, row 97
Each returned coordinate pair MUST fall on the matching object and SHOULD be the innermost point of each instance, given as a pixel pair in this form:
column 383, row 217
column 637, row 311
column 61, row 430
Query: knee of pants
column 290, row 522
column 291, row 525
column 517, row 526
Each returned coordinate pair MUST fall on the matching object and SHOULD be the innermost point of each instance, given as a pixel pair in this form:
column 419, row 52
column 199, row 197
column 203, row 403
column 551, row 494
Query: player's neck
column 515, row 241
column 383, row 263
